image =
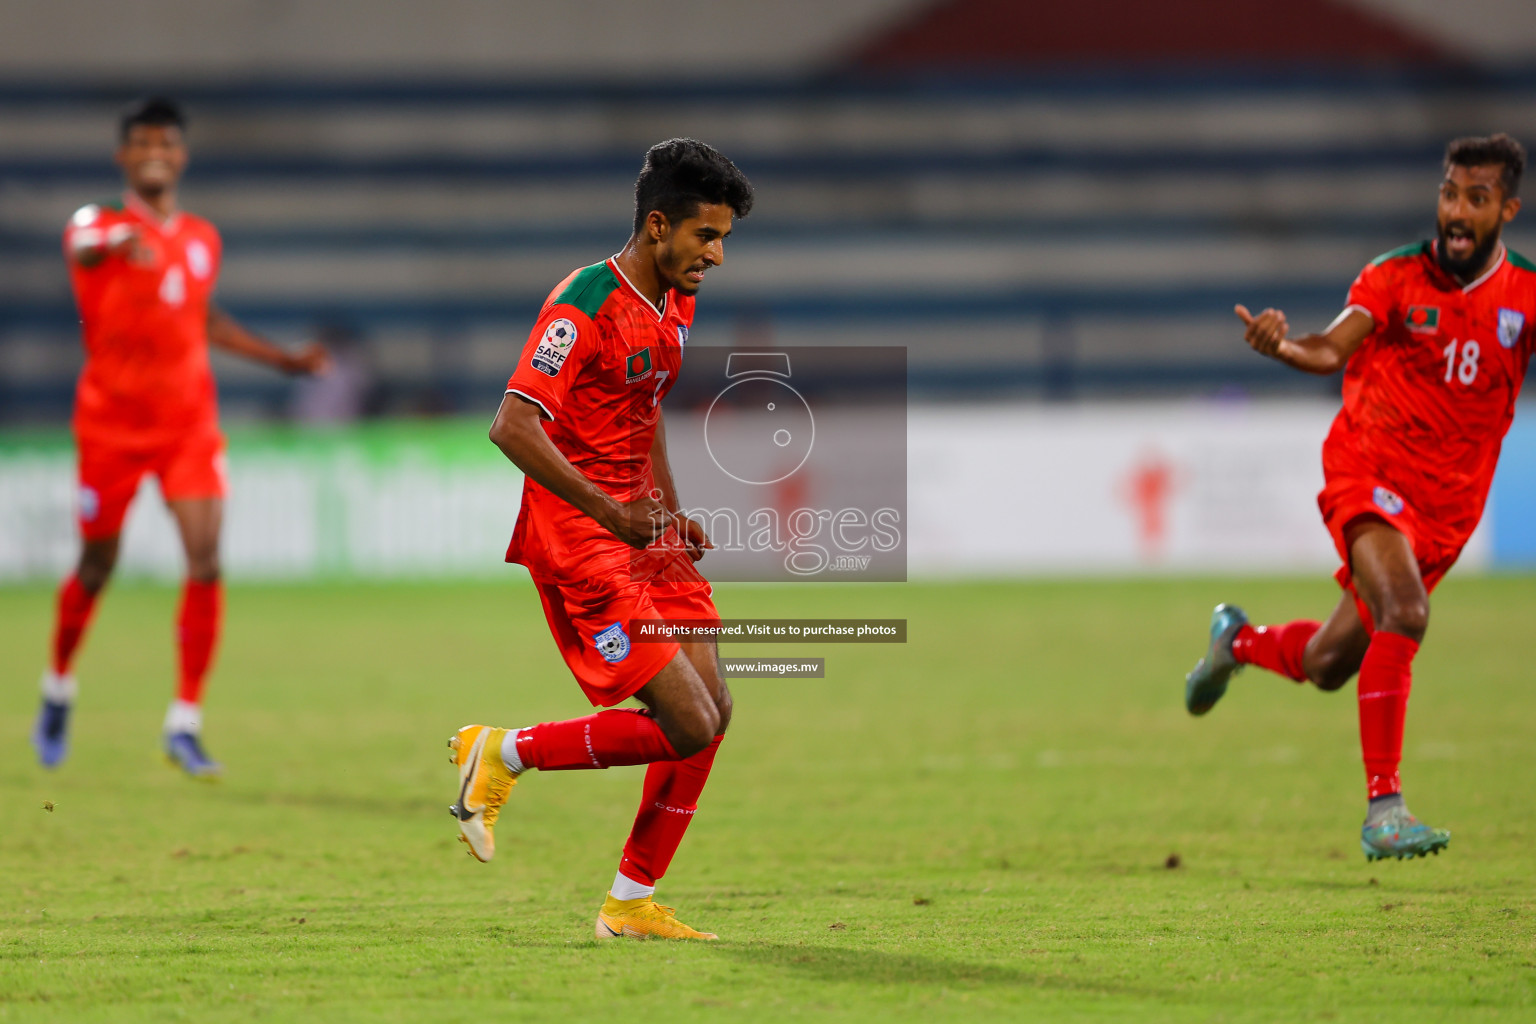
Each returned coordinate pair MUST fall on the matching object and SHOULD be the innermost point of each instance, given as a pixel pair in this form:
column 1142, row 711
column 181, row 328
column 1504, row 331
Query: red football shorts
column 187, row 468
column 1345, row 499
column 591, row 620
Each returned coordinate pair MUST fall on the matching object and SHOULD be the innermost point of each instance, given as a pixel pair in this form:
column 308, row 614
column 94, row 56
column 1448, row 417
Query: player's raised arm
column 225, row 333
column 1268, row 334
column 521, row 438
column 89, row 239
column 90, row 246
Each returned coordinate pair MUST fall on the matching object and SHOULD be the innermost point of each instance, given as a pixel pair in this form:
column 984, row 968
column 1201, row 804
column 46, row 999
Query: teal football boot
column 1399, row 834
column 1207, row 681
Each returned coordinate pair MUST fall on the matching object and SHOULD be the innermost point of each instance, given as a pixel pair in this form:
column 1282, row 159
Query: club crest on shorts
column 90, row 503
column 554, row 347
column 1387, row 501
column 1511, row 323
column 613, row 644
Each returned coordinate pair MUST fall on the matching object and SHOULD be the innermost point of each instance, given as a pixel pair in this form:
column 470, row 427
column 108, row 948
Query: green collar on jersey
column 1425, row 248
column 589, row 289
column 1402, row 252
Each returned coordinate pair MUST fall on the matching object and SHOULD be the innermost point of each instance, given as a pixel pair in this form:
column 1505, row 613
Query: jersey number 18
column 1466, row 369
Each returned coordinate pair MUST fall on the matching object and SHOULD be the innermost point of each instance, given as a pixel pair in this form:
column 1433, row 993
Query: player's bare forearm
column 89, row 254
column 225, row 333
column 1310, row 353
column 90, row 247
column 521, row 438
column 695, row 540
column 1325, row 353
column 661, row 468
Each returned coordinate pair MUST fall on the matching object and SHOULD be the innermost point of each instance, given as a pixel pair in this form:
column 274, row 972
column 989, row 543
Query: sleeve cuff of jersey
column 1357, row 308
column 536, row 401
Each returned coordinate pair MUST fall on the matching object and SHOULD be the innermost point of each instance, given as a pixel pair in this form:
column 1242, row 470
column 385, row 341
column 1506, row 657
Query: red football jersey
column 145, row 324
column 598, row 363
column 1430, row 394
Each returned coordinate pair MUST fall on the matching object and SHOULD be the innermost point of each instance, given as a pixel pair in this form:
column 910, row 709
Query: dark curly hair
column 680, row 175
column 1486, row 150
column 152, row 110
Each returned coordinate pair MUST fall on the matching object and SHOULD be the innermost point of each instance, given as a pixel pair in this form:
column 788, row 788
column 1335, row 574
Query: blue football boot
column 1207, row 681
column 50, row 736
column 1399, row 834
column 185, row 750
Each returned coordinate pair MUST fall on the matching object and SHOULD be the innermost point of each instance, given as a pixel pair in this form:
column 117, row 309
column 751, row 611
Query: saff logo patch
column 682, row 335
column 1423, row 318
column 1511, row 323
column 555, row 347
column 1387, row 501
column 638, row 366
column 613, row 644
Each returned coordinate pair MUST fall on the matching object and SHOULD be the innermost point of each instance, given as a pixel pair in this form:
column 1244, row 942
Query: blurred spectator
column 339, row 396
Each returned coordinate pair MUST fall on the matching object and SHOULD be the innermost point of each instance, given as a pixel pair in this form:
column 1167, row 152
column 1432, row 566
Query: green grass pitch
column 975, row 825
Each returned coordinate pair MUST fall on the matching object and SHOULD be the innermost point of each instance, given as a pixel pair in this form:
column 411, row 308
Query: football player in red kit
column 143, row 273
column 600, row 532
column 1434, row 344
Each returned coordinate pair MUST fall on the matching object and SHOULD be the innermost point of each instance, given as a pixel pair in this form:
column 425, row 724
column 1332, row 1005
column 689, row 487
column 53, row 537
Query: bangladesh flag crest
column 1423, row 318
column 638, row 365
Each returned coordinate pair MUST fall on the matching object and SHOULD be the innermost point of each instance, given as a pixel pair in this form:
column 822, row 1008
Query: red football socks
column 1386, row 676
column 76, row 604
column 1276, row 648
column 607, row 739
column 197, row 634
column 671, row 796
column 622, row 736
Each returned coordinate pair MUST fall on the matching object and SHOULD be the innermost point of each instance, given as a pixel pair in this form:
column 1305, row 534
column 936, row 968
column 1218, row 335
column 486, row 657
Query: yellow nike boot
column 643, row 919
column 484, row 785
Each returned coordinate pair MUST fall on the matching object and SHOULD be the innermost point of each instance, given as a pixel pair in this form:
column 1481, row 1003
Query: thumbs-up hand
column 1264, row 332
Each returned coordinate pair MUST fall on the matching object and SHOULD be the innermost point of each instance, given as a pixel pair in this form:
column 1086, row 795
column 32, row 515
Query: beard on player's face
column 1461, row 250
column 677, row 265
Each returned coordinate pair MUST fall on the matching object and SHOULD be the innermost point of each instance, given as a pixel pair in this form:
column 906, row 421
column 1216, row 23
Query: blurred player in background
column 600, row 532
column 1434, row 343
column 143, row 274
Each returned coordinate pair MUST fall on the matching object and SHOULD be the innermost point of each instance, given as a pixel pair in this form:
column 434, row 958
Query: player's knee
column 97, row 560
column 1328, row 667
column 723, row 704
column 692, row 732
column 203, row 562
column 1407, row 616
column 204, row 570
column 1331, row 674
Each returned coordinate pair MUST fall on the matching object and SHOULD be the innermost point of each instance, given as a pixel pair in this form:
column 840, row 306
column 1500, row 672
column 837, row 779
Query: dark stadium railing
column 786, row 308
column 892, row 231
column 763, row 166
column 1074, row 82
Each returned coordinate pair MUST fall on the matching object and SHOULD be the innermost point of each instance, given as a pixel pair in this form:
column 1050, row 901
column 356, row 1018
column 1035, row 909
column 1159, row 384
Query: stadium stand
column 1051, row 234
